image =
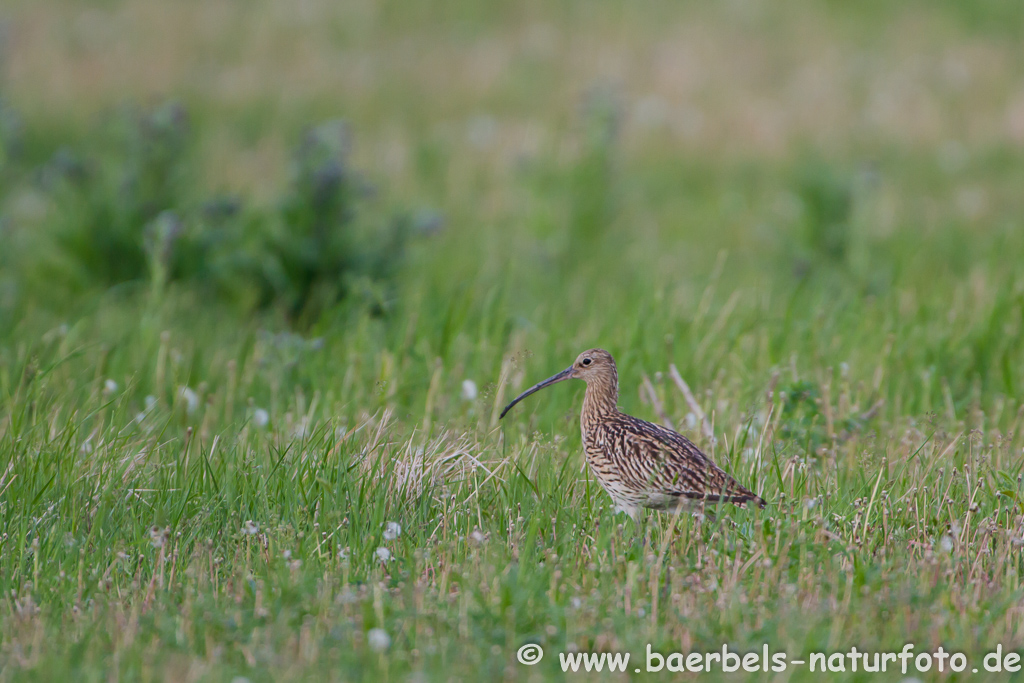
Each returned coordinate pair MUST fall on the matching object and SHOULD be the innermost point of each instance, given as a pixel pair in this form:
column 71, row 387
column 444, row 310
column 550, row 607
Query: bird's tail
column 736, row 495
column 740, row 499
column 753, row 498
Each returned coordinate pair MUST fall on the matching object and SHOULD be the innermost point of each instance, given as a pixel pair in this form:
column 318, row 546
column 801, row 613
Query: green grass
column 838, row 282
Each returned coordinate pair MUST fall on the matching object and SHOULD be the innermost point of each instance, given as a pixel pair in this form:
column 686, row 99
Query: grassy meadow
column 252, row 358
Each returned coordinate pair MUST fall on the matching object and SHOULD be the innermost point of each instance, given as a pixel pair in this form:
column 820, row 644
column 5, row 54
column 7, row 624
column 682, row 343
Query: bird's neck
column 602, row 397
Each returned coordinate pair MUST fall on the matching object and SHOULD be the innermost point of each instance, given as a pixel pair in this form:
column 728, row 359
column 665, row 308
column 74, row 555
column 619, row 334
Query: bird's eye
column 586, row 361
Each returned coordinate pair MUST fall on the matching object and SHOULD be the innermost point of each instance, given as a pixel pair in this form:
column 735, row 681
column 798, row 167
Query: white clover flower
column 383, row 554
column 468, row 390
column 301, row 429
column 260, row 418
column 250, row 528
column 109, row 387
column 378, row 639
column 191, row 399
column 344, row 553
column 287, row 554
column 691, row 421
column 392, row 531
column 157, row 537
column 946, row 544
column 477, row 536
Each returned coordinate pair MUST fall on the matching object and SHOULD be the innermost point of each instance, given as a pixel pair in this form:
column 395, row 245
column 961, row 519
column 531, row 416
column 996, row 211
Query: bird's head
column 590, row 366
column 593, row 364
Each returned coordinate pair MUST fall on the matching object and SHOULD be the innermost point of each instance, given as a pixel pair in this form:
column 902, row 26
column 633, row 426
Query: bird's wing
column 677, row 467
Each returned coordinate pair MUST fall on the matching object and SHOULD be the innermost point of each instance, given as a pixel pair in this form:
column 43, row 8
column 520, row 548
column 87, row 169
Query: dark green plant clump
column 132, row 213
column 826, row 196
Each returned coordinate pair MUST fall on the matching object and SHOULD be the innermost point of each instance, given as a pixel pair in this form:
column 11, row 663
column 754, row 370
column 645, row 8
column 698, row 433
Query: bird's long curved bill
column 554, row 379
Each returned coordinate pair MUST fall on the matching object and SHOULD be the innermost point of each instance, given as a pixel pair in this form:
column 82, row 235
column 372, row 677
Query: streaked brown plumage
column 638, row 463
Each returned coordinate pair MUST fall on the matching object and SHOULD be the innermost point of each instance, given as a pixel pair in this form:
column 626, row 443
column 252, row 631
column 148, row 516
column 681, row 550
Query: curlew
column 638, row 463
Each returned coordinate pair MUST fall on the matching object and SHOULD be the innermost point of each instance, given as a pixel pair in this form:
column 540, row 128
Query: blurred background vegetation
column 809, row 132
column 318, row 211
column 315, row 164
column 288, row 160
